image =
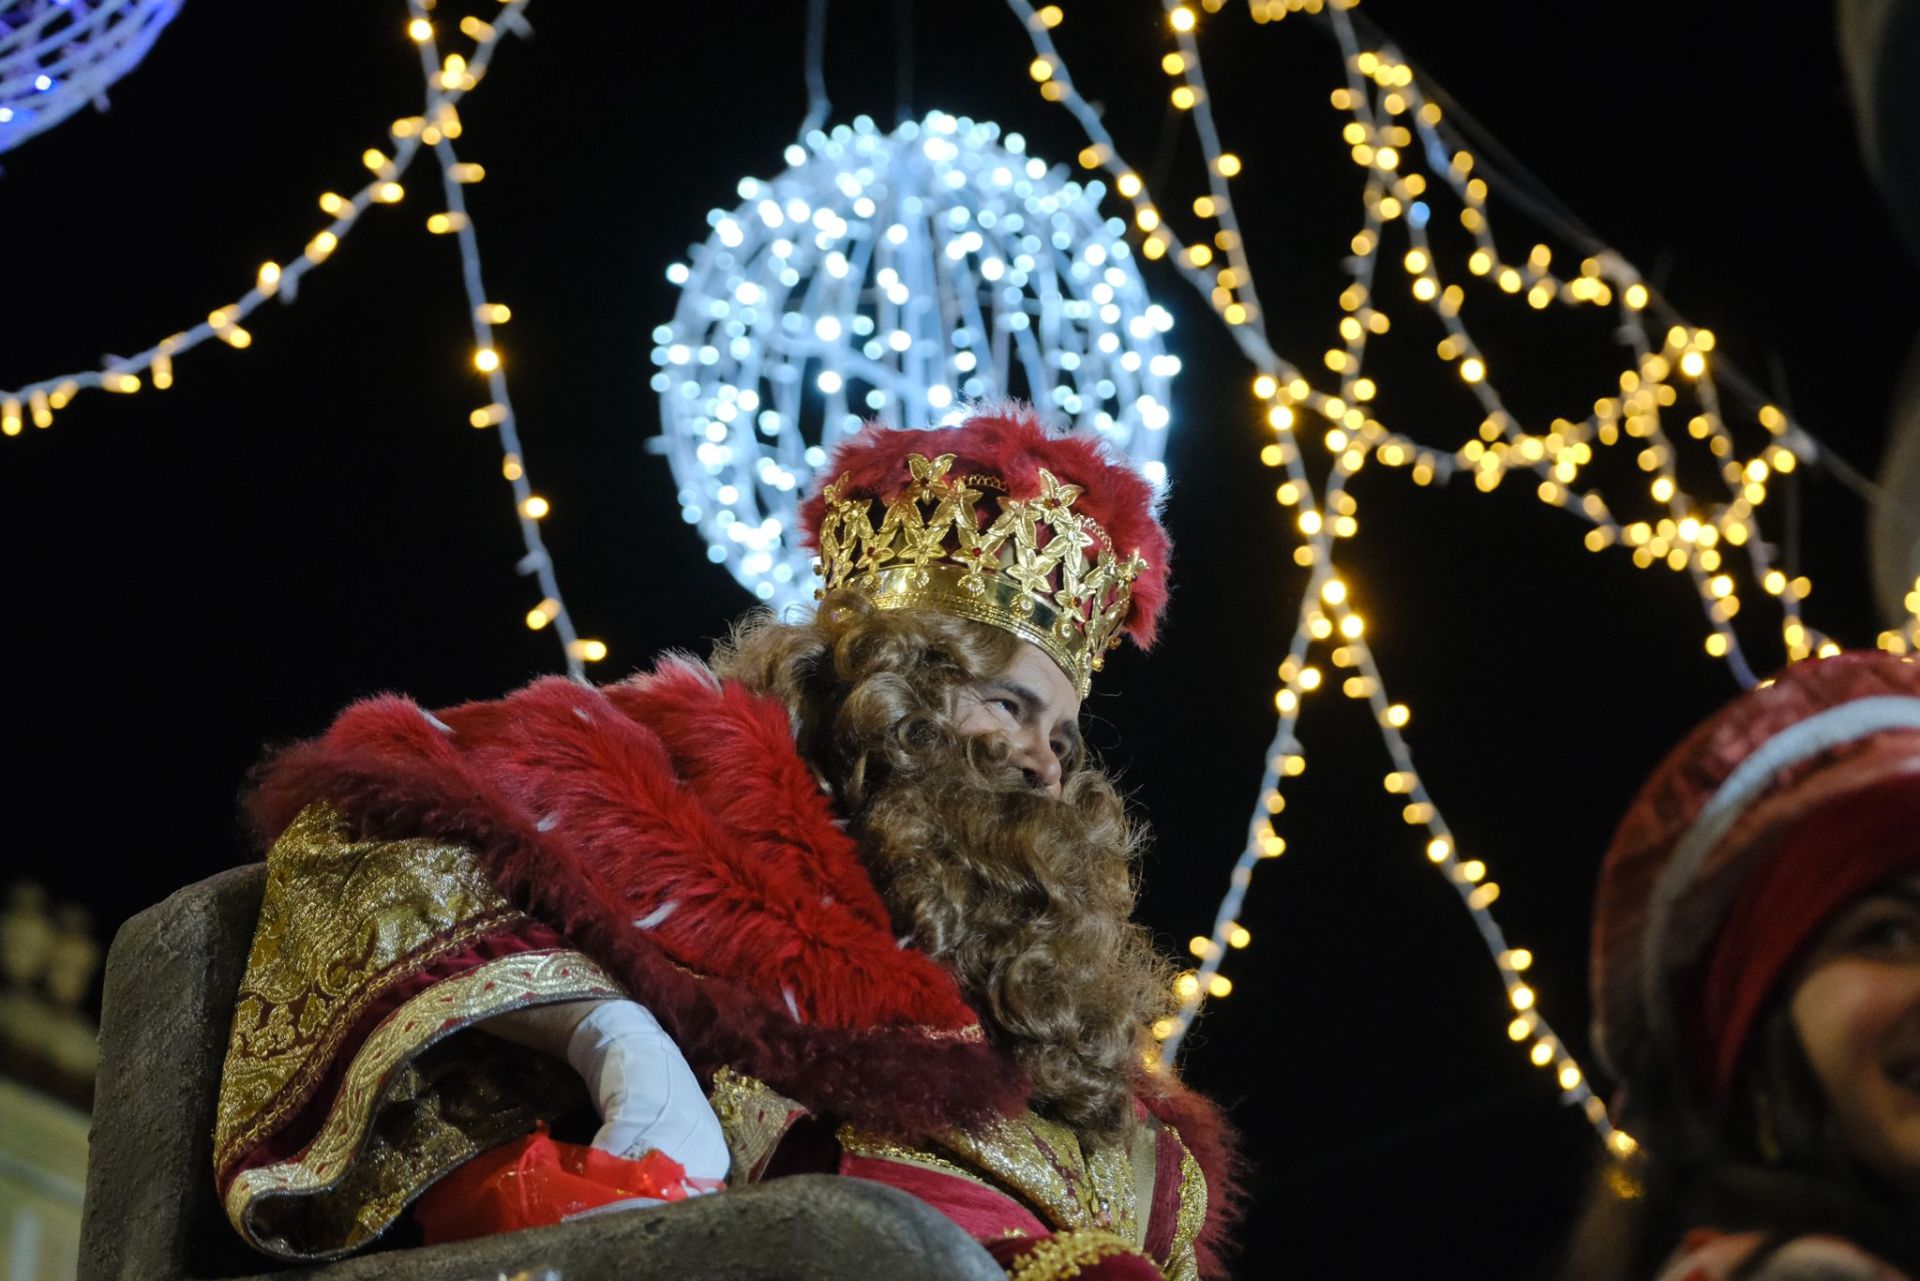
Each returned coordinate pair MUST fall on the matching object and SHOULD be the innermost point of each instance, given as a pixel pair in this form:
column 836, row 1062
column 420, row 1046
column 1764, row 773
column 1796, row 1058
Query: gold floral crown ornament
column 1034, row 567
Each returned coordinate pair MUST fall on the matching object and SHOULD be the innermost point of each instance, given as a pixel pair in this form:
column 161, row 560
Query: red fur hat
column 1009, row 444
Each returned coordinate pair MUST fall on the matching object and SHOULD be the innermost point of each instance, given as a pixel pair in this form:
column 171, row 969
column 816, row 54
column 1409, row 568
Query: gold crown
column 1068, row 592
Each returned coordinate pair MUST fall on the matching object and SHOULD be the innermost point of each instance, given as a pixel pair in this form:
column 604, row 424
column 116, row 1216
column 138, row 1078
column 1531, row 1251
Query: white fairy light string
column 530, row 508
column 57, row 56
column 892, row 276
column 1692, row 535
column 448, row 80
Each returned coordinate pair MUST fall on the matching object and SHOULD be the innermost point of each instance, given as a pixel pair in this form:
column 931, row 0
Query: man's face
column 1035, row 708
column 1857, row 1011
column 1024, row 888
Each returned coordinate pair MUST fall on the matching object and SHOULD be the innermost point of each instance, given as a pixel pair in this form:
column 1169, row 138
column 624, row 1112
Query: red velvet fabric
column 979, row 1210
column 1216, row 1147
column 1163, row 1216
column 1821, row 862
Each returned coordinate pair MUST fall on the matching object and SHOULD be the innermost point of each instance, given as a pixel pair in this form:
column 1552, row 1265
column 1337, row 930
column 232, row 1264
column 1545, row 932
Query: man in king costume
column 850, row 897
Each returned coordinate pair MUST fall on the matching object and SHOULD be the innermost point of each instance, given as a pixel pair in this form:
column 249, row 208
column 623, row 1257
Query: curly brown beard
column 1027, row 899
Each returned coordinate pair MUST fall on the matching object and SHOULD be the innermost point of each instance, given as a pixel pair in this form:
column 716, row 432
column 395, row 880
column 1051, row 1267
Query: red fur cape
column 669, row 829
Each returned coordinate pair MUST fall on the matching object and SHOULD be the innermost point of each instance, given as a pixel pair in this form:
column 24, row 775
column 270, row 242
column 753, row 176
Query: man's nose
column 1038, row 760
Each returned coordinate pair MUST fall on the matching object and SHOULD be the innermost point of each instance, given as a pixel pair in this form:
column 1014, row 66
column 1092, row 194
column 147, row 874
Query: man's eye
column 1006, row 705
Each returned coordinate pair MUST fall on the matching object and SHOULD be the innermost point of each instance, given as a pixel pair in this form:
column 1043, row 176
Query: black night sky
column 196, row 573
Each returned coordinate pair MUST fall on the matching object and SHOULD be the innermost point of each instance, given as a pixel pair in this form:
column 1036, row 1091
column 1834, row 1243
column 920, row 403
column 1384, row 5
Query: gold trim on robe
column 342, row 924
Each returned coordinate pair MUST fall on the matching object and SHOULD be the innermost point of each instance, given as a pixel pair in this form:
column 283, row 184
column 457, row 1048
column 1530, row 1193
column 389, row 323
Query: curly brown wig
column 1026, row 898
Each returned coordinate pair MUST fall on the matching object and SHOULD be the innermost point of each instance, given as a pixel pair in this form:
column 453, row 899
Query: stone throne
column 151, row 1214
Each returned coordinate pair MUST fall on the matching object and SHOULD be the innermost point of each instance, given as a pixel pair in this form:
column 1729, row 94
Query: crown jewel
column 1032, row 566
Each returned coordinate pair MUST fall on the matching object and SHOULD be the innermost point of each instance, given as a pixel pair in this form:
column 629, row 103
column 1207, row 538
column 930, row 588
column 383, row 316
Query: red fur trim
column 1011, row 442
column 765, row 945
column 1204, row 1128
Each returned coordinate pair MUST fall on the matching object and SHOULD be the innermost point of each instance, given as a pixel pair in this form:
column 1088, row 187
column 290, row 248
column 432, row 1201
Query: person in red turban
column 1756, row 985
column 850, row 896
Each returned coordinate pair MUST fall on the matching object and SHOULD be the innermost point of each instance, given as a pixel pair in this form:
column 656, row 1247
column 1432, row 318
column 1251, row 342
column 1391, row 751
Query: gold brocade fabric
column 1073, row 1186
column 1066, row 1255
column 1106, row 1188
column 753, row 1117
column 342, row 922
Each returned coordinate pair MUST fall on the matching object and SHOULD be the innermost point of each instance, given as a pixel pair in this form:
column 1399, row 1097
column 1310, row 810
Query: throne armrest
column 811, row 1227
column 165, row 1015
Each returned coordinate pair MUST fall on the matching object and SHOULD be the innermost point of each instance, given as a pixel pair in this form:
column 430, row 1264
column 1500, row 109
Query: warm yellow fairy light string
column 1381, row 92
column 448, row 80
column 529, row 507
column 273, row 280
column 1327, row 613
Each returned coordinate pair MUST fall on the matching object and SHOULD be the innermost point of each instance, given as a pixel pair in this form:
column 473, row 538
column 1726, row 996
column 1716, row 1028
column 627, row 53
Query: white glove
column 646, row 1093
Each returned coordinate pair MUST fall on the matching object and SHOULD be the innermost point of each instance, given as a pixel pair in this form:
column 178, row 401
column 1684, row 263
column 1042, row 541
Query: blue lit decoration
column 56, row 56
column 894, row 276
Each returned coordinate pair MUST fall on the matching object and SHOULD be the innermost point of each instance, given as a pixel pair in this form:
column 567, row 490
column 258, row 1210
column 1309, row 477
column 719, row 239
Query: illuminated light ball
column 894, row 277
column 57, row 56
